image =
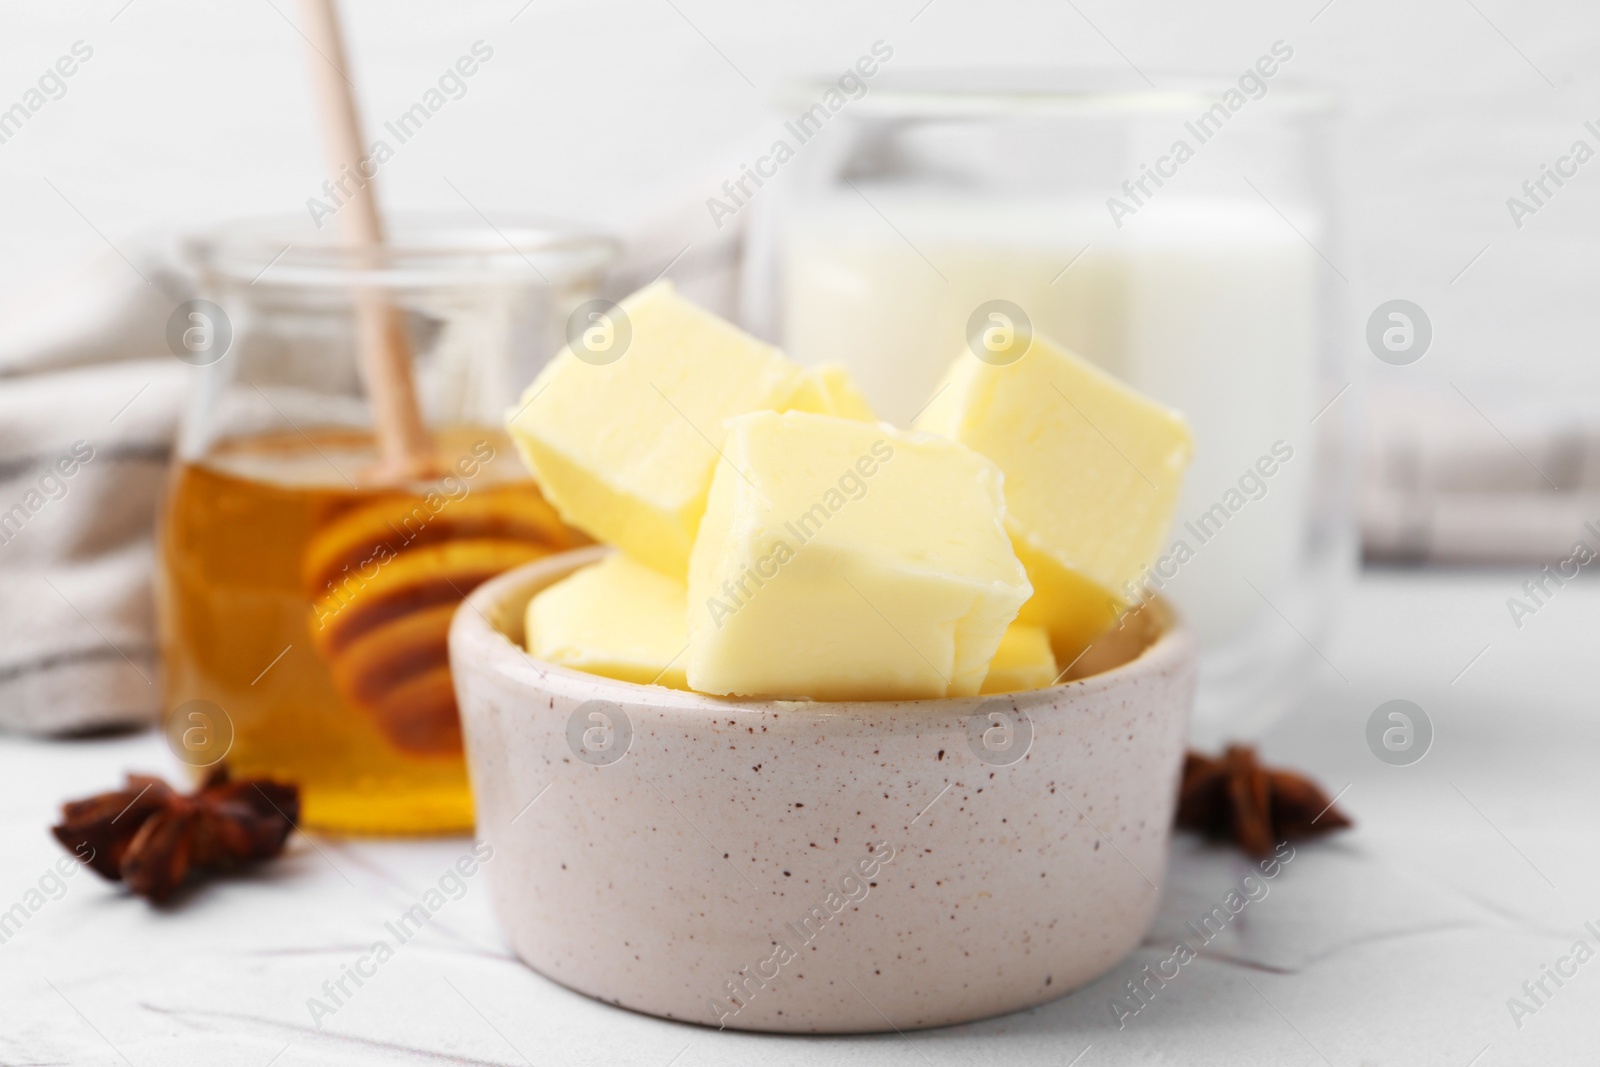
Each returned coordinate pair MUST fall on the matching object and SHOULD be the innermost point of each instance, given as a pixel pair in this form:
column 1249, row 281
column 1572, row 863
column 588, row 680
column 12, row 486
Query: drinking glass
column 1183, row 238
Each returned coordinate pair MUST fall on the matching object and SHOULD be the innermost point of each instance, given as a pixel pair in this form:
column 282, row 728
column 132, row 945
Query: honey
column 306, row 613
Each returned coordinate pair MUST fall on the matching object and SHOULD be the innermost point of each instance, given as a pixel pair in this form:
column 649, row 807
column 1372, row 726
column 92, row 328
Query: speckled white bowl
column 819, row 868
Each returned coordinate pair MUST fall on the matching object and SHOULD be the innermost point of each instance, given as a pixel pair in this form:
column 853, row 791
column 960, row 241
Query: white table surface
column 1397, row 943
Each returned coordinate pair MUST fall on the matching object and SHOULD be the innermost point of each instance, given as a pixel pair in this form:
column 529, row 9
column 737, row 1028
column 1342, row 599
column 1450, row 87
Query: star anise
column 1256, row 807
column 153, row 838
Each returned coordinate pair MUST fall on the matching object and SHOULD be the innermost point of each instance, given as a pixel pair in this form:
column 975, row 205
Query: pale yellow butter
column 616, row 618
column 625, row 449
column 1093, row 471
column 843, row 560
column 831, row 391
column 1023, row 661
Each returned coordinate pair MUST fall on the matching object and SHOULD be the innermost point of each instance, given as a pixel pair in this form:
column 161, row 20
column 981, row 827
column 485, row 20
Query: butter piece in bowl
column 623, row 439
column 1023, row 660
column 616, row 618
column 1093, row 470
column 842, row 560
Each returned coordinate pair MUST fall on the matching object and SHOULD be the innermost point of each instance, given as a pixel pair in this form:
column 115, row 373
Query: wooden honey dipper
column 405, row 448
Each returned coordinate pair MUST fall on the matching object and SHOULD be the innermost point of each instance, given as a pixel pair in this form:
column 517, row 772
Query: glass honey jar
column 304, row 597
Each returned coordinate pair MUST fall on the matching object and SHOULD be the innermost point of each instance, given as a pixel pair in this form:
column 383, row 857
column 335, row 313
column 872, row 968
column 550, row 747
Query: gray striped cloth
column 1467, row 476
column 89, row 398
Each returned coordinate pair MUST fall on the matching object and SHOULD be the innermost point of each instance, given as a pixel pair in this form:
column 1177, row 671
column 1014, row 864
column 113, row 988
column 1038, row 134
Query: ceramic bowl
column 820, row 867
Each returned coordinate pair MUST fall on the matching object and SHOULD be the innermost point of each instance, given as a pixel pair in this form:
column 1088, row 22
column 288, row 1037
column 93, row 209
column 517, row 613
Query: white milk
column 1207, row 306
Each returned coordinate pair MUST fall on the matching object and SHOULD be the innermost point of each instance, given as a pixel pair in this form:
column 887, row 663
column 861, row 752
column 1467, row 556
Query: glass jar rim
column 422, row 249
column 978, row 92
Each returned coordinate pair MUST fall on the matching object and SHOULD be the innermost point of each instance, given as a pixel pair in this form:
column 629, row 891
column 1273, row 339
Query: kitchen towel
column 1460, row 479
column 89, row 399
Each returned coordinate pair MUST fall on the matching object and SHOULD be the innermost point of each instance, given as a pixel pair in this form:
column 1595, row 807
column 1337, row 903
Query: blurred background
column 611, row 114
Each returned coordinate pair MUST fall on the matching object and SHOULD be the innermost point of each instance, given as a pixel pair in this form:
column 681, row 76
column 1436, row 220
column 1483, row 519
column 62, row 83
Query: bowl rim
column 472, row 633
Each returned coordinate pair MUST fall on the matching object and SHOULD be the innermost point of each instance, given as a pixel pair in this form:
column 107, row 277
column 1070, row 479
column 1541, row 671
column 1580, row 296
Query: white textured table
column 1400, row 942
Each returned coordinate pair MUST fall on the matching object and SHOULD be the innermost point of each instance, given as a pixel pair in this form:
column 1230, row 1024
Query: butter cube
column 1023, row 661
column 616, row 618
column 625, row 449
column 831, row 391
column 844, row 560
column 1093, row 471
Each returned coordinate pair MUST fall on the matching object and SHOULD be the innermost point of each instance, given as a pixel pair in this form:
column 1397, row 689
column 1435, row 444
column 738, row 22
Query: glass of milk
column 1181, row 236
